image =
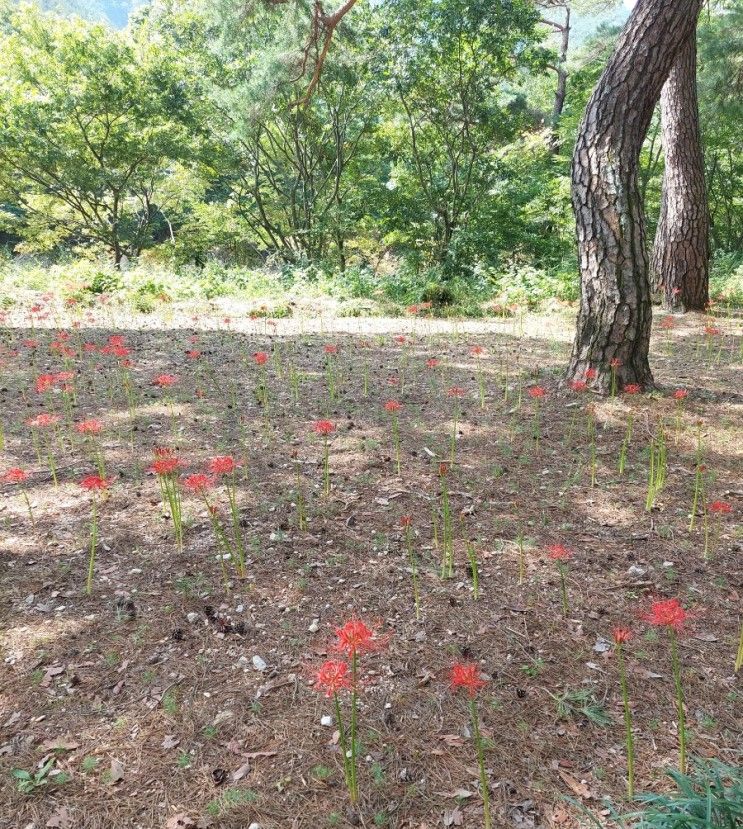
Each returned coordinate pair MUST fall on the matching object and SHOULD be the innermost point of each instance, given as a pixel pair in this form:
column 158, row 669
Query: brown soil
column 156, row 717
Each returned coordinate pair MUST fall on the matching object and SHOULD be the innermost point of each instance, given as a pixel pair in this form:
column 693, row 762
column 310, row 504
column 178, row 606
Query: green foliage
column 28, row 782
column 581, row 703
column 91, row 121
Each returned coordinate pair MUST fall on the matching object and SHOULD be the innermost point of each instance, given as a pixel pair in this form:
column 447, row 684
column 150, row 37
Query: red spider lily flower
column 680, row 394
column 456, row 391
column 615, row 362
column 193, row 354
column 401, row 339
column 536, row 392
column 711, row 330
column 30, row 343
column 222, row 465
column 667, row 323
column 466, row 675
column 198, row 483
column 356, row 637
column 44, row 382
column 43, row 420
column 443, row 469
column 558, row 552
column 666, row 613
column 432, row 363
column 578, row 385
column 591, row 374
column 165, row 380
column 621, row 635
column 260, row 358
column 88, row 348
column 330, row 349
column 720, row 508
column 632, row 388
column 89, row 427
column 332, row 677
column 412, row 309
column 165, row 465
column 15, row 475
column 324, row 427
column 392, row 406
column 94, row 483
column 406, row 520
column 477, row 351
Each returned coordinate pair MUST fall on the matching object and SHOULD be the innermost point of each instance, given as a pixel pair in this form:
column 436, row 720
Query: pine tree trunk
column 680, row 262
column 615, row 312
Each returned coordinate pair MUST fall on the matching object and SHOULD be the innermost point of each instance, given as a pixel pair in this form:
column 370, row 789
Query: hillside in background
column 116, row 12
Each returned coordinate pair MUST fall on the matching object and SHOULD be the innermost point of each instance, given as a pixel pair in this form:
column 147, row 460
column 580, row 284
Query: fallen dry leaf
column 578, row 787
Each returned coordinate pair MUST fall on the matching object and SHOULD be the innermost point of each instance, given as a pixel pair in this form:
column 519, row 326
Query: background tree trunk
column 680, row 263
column 615, row 313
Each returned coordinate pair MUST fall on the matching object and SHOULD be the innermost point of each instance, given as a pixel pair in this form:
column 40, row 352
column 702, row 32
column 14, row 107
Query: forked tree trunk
column 680, row 263
column 615, row 314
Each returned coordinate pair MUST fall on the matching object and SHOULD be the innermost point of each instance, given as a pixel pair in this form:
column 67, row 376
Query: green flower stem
column 93, row 544
column 676, row 664
column 354, row 787
column 628, row 738
column 484, row 788
column 563, row 590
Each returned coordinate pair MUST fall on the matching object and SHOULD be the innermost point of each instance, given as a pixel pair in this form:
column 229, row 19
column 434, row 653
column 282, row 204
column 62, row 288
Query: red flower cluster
column 198, row 483
column 680, row 394
column 632, row 388
column 94, row 483
column 536, row 392
column 456, row 391
column 260, row 358
column 666, row 613
column 466, row 675
column 222, row 465
column 621, row 635
column 392, row 406
column 332, row 677
column 324, row 427
column 578, row 385
column 89, row 427
column 166, row 463
column 165, row 380
column 720, row 508
column 42, row 420
column 432, row 362
column 558, row 552
column 356, row 637
column 15, row 475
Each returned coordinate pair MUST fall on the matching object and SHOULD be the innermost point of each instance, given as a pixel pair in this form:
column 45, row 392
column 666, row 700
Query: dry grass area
column 171, row 697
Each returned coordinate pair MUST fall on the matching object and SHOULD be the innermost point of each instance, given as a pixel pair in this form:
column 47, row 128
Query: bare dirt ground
column 169, row 698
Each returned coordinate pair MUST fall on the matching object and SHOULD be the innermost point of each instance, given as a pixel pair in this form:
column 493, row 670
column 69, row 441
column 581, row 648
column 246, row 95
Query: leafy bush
column 726, row 279
column 709, row 797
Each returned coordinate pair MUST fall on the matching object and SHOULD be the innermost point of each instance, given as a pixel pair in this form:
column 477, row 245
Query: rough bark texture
column 615, row 312
column 680, row 263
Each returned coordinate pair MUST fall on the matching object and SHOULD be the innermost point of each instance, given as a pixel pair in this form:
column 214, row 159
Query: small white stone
column 314, row 626
column 326, row 720
column 635, row 570
column 192, row 618
column 259, row 664
column 255, row 825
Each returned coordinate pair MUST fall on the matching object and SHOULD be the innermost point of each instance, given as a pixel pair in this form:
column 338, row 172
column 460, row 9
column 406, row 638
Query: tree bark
column 680, row 263
column 615, row 311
